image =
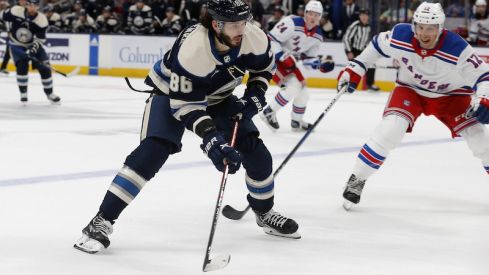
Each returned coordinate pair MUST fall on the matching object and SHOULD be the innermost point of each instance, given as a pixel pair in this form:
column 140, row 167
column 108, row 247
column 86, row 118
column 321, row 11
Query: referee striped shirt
column 356, row 36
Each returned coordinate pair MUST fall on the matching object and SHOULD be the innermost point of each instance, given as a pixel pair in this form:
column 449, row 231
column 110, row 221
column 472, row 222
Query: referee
column 355, row 40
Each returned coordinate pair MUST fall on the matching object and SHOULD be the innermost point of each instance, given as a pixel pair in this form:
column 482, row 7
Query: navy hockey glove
column 350, row 78
column 479, row 109
column 288, row 60
column 328, row 64
column 32, row 49
column 218, row 150
column 249, row 105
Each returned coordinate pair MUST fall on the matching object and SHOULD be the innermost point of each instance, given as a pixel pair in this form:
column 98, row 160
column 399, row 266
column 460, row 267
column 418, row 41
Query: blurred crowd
column 169, row 17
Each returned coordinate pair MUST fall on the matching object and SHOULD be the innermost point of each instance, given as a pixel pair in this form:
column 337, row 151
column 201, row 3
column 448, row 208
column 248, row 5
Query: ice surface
column 425, row 211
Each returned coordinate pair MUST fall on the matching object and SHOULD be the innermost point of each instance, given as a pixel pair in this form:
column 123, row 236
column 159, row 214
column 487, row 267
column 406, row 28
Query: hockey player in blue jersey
column 29, row 29
column 198, row 96
column 439, row 75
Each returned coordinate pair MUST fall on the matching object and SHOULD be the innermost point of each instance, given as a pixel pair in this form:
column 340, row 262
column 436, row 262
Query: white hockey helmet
column 429, row 13
column 480, row 3
column 314, row 6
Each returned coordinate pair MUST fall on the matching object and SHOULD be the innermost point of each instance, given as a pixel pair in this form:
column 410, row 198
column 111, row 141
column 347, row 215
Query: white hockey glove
column 351, row 76
column 479, row 109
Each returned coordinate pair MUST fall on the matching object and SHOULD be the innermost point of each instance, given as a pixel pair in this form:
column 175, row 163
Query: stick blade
column 218, row 262
column 74, row 72
column 229, row 212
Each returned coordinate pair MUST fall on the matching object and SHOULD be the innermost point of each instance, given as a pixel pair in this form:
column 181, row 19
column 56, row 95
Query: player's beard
column 228, row 41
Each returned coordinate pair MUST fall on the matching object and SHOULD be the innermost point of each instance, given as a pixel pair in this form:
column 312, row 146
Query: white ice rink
column 425, row 212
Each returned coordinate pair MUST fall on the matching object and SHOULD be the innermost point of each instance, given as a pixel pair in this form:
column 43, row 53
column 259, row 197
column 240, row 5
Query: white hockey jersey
column 291, row 35
column 451, row 68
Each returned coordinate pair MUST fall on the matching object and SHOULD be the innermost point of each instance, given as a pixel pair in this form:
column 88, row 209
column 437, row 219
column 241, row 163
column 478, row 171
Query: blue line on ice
column 108, row 173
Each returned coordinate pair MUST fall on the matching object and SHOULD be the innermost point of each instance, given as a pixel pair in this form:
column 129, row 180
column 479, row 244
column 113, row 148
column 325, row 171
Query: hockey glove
column 218, row 150
column 32, row 49
column 249, row 105
column 350, row 78
column 479, row 109
column 288, row 60
column 327, row 64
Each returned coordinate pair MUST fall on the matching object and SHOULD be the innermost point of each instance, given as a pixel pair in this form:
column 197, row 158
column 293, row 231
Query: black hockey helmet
column 364, row 11
column 229, row 10
column 33, row 2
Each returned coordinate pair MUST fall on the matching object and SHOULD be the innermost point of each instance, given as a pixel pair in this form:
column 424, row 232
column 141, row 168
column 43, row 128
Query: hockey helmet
column 429, row 13
column 314, row 6
column 229, row 10
column 480, row 3
column 33, row 2
column 300, row 7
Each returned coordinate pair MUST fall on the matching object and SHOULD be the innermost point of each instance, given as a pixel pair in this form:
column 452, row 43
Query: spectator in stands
column 257, row 10
column 54, row 19
column 327, row 8
column 300, row 11
column 125, row 11
column 278, row 14
column 456, row 9
column 140, row 19
column 190, row 9
column 106, row 22
column 393, row 16
column 172, row 24
column 326, row 26
column 270, row 5
column 479, row 26
column 72, row 18
column 85, row 23
column 158, row 8
column 348, row 15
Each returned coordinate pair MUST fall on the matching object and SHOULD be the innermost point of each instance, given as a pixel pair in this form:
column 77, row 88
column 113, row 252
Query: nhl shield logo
column 424, row 52
column 227, row 59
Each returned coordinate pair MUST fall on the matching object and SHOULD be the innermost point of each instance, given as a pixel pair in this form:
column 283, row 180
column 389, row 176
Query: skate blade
column 274, row 232
column 55, row 103
column 88, row 245
column 264, row 118
column 218, row 262
column 347, row 205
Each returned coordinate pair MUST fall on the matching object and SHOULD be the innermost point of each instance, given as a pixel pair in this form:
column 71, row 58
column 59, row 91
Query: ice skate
column 23, row 98
column 268, row 116
column 4, row 73
column 275, row 224
column 373, row 89
column 54, row 99
column 300, row 126
column 353, row 191
column 95, row 235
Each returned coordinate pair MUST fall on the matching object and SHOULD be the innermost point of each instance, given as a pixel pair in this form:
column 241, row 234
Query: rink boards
column 133, row 56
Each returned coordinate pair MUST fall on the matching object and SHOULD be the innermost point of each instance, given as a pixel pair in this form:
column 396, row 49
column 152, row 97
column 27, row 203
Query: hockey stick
column 344, row 65
column 33, row 58
column 222, row 260
column 233, row 214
